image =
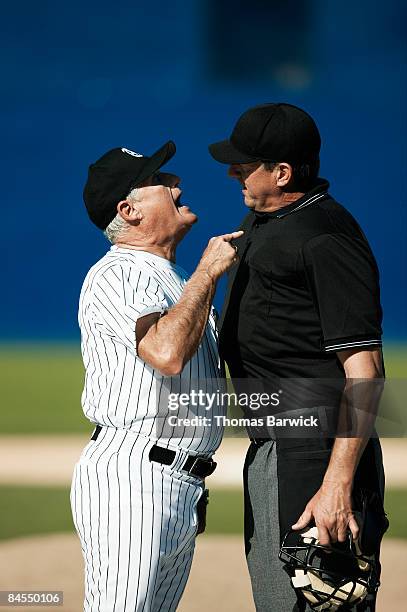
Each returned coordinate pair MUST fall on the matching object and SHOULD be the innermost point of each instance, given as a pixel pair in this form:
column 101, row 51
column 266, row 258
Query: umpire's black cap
column 111, row 178
column 275, row 132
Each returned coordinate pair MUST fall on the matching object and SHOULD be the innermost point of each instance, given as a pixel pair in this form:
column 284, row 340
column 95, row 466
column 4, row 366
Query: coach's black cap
column 275, row 132
column 111, row 178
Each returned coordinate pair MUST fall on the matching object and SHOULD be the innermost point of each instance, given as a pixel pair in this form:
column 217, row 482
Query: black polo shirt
column 307, row 286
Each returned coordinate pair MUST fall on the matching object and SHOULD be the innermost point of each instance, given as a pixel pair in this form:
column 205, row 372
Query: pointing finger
column 232, row 236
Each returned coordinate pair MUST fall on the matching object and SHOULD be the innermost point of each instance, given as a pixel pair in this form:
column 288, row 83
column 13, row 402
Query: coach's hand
column 219, row 255
column 331, row 509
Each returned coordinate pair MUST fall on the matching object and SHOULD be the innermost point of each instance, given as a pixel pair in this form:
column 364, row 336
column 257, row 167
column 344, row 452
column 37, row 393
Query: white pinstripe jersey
column 121, row 390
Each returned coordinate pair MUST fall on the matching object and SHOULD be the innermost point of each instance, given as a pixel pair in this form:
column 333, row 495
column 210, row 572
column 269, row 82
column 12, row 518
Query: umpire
column 303, row 304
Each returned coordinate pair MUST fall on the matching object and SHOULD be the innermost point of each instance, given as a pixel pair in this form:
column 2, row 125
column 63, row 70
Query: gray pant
column 272, row 589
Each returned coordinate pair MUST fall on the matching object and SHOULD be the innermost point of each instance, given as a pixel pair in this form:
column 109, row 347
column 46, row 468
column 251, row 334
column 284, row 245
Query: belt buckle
column 213, row 465
column 195, row 462
column 209, row 462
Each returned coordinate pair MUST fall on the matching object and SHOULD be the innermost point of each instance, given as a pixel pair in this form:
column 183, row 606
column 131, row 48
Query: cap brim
column 156, row 161
column 225, row 153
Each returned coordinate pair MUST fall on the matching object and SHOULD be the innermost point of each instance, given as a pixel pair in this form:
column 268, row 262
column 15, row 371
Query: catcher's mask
column 328, row 577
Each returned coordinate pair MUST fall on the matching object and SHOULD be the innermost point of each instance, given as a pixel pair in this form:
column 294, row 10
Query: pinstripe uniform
column 136, row 518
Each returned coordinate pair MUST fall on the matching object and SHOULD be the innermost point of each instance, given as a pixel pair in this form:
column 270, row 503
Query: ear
column 284, row 173
column 128, row 212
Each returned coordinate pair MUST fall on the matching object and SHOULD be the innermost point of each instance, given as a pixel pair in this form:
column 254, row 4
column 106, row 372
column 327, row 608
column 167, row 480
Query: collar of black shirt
column 313, row 195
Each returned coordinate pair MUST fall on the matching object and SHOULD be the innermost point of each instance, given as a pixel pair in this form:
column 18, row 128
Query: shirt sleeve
column 344, row 281
column 121, row 295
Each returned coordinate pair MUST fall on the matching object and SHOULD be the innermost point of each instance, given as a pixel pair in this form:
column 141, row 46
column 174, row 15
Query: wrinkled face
column 258, row 184
column 159, row 199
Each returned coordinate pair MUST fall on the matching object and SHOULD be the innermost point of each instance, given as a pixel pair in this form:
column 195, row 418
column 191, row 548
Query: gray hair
column 118, row 227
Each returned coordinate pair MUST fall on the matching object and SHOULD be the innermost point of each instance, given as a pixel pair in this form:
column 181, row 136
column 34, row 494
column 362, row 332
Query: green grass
column 49, row 511
column 395, row 504
column 41, row 390
column 41, row 387
column 34, row 510
column 395, row 358
column 41, row 510
column 225, row 511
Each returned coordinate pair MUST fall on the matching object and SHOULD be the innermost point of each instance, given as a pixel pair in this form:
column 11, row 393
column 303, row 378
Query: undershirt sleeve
column 344, row 281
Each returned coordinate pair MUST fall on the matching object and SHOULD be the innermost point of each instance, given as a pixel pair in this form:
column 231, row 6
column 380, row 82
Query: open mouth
column 177, row 201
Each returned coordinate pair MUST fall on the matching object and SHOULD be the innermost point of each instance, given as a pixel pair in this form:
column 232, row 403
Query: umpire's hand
column 331, row 509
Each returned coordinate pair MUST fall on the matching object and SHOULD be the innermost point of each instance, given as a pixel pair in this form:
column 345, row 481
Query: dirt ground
column 218, row 582
column 49, row 460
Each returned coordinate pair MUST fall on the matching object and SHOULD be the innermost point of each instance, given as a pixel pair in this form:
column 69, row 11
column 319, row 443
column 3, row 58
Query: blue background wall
column 81, row 77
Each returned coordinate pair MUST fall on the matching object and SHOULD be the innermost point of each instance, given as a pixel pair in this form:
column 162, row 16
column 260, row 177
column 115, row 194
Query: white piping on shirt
column 335, row 347
column 311, row 200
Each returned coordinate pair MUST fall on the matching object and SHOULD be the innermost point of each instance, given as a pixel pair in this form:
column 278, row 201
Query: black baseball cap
column 111, row 178
column 275, row 132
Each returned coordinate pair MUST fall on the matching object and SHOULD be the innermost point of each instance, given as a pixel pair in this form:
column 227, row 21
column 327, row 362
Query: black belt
column 194, row 465
column 97, row 431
